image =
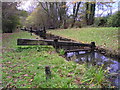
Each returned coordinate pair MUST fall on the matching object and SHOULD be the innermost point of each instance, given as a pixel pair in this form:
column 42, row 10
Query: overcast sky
column 29, row 5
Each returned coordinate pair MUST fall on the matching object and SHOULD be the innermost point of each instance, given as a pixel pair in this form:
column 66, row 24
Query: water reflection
column 95, row 58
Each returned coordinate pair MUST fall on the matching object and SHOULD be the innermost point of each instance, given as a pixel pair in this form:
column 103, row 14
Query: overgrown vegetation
column 108, row 21
column 24, row 66
column 61, row 51
column 95, row 75
column 10, row 24
column 114, row 20
column 11, row 17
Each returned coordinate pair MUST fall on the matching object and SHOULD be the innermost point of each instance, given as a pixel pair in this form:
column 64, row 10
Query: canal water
column 95, row 58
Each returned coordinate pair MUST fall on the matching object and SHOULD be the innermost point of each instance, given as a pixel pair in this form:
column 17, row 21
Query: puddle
column 95, row 58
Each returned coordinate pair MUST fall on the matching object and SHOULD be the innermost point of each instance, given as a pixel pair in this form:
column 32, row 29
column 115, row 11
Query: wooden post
column 92, row 56
column 31, row 30
column 44, row 33
column 87, row 59
column 25, row 29
column 47, row 72
column 44, row 30
column 92, row 46
column 56, row 46
column 92, row 51
column 56, row 43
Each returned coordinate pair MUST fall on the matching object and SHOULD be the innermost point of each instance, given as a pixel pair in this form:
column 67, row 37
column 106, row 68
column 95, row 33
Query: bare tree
column 56, row 12
column 75, row 12
column 90, row 13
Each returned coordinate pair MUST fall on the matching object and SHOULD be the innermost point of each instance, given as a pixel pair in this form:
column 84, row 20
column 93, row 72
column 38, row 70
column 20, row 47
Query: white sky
column 114, row 9
column 29, row 5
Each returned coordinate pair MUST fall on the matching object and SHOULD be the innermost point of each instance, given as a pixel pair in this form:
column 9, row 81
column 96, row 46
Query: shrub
column 10, row 24
column 110, row 20
column 100, row 21
column 113, row 20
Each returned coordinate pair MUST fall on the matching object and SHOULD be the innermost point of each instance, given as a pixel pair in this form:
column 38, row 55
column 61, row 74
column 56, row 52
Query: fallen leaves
column 0, row 65
column 32, row 65
column 78, row 80
column 25, row 75
column 9, row 85
column 9, row 76
column 61, row 75
column 69, row 75
column 59, row 70
column 31, row 80
column 9, row 62
column 15, row 80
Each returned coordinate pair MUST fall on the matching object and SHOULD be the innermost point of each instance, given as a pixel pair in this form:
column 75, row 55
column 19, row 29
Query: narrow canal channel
column 95, row 58
column 92, row 58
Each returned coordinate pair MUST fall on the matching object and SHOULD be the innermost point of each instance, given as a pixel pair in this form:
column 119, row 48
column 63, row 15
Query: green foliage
column 38, row 18
column 10, row 17
column 36, row 47
column 23, row 13
column 114, row 20
column 110, row 21
column 77, row 24
column 100, row 21
column 62, row 51
column 10, row 24
column 94, row 75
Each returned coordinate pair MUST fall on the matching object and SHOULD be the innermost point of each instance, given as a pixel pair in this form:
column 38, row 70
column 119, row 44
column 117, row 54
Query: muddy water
column 92, row 58
column 95, row 58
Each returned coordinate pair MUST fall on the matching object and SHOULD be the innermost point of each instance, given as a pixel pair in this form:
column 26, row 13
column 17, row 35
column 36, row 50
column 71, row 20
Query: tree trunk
column 86, row 15
column 75, row 13
column 91, row 19
column 90, row 13
column 74, row 8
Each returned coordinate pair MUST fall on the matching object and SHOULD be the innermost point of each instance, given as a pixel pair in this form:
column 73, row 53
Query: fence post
column 44, row 30
column 56, row 46
column 44, row 33
column 47, row 72
column 31, row 31
column 25, row 29
column 93, row 46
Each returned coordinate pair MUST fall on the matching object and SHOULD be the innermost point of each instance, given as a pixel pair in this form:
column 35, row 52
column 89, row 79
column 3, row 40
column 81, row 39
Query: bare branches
column 75, row 12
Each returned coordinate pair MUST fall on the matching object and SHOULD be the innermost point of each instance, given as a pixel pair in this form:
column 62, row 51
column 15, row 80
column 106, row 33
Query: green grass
column 28, row 66
column 61, row 52
column 23, row 66
column 94, row 75
column 106, row 37
column 9, row 40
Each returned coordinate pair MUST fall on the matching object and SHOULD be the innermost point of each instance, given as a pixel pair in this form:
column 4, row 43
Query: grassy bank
column 105, row 37
column 9, row 40
column 23, row 67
